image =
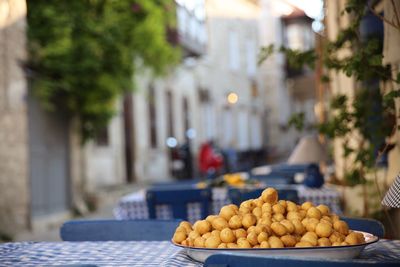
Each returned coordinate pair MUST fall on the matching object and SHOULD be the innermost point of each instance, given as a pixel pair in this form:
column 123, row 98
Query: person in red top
column 210, row 162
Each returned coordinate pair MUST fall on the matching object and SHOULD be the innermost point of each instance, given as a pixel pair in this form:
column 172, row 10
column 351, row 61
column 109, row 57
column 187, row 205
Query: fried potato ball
column 298, row 227
column 227, row 236
column 210, row 218
column 235, row 221
column 302, row 213
column 360, row 237
column 282, row 203
column 310, row 237
column 235, row 207
column 240, row 233
column 227, row 212
column 266, row 208
column 243, row 243
column 279, row 229
column 313, row 212
column 232, row 245
column 289, row 226
column 263, row 236
column 244, row 210
column 341, row 227
column 206, row 235
column 334, row 218
column 185, row 243
column 323, row 229
column 288, row 240
column 257, row 212
column 216, row 232
column 324, row 242
column 260, row 228
column 306, row 205
column 324, row 209
column 222, row 245
column 292, row 215
column 252, row 238
column 303, row 244
column 186, row 225
column 199, row 242
column 181, row 229
column 265, row 221
column 311, row 225
column 264, row 244
column 291, row 206
column 270, row 195
column 278, row 217
column 248, row 204
column 202, row 227
column 249, row 220
column 275, row 242
column 278, row 209
column 219, row 223
column 336, row 237
column 179, row 237
column 193, row 234
column 212, row 242
column 258, row 202
column 351, row 239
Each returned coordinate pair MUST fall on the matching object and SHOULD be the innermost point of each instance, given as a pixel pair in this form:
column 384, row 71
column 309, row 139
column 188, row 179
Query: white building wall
column 242, row 125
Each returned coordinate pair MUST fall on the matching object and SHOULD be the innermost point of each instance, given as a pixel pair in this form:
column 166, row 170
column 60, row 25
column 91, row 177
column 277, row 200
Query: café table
column 138, row 253
column 134, row 206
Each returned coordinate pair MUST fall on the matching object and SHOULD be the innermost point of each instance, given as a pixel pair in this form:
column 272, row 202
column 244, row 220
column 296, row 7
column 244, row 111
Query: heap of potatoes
column 266, row 222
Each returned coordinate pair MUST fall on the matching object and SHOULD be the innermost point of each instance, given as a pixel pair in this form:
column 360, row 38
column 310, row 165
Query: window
column 234, row 59
column 102, row 138
column 251, row 58
column 152, row 117
column 185, row 115
column 170, row 115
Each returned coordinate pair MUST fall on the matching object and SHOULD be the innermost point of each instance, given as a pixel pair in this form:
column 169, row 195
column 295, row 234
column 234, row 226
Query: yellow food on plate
column 267, row 222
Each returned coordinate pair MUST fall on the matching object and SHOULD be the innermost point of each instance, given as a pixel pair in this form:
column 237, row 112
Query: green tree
column 83, row 54
column 370, row 116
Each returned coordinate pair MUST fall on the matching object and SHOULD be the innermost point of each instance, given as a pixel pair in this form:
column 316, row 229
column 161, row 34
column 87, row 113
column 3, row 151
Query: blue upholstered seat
column 227, row 260
column 116, row 230
column 178, row 198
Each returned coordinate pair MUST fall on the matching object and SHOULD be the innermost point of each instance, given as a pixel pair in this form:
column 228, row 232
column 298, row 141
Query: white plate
column 338, row 252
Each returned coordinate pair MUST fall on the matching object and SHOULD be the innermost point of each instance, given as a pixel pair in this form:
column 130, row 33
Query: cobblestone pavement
column 107, row 199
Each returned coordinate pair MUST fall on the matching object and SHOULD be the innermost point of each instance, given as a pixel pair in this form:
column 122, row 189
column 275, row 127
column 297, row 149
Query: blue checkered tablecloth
column 134, row 206
column 138, row 253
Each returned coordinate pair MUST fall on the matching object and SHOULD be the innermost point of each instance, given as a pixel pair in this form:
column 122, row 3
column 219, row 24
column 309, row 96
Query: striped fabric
column 392, row 197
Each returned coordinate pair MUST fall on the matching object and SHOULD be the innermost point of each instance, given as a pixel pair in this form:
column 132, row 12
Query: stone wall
column 14, row 185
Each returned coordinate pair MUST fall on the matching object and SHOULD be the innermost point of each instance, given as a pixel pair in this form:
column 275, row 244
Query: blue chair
column 178, row 198
column 116, row 230
column 230, row 260
column 183, row 183
column 273, row 179
column 366, row 225
column 237, row 195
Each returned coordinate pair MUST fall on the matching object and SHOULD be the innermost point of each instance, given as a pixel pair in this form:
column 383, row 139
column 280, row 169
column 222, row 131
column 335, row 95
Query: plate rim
column 374, row 239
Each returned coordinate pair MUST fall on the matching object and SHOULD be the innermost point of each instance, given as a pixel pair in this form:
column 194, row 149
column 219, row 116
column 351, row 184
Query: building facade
column 190, row 105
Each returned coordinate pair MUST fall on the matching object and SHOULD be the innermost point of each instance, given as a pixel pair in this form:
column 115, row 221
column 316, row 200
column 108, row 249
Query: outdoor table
column 134, row 206
column 138, row 253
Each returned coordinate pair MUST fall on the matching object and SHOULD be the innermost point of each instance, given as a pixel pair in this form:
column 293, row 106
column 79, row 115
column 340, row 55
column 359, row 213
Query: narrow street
column 107, row 199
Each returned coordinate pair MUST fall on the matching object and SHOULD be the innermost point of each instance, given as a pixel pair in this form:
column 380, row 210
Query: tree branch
column 384, row 19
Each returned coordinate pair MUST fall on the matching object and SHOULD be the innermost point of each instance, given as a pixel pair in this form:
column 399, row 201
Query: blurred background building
column 218, row 92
